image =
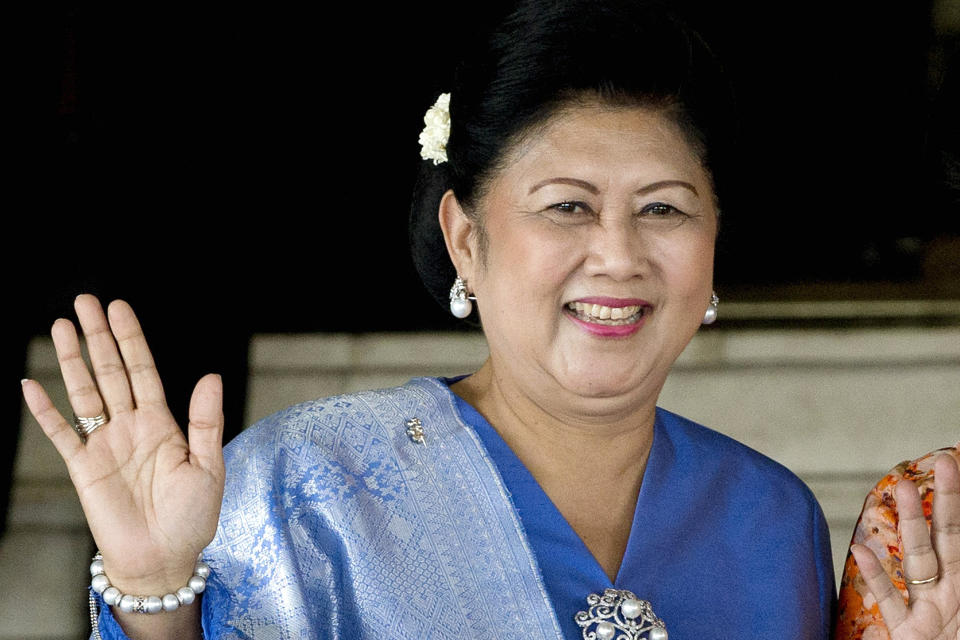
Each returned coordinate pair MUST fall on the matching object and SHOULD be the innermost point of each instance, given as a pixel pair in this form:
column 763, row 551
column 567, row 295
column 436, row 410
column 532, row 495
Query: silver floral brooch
column 620, row 615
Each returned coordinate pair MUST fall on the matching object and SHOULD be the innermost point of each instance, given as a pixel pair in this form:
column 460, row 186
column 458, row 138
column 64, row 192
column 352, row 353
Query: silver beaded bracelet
column 148, row 604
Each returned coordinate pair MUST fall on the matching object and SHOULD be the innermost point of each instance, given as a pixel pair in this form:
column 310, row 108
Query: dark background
column 237, row 170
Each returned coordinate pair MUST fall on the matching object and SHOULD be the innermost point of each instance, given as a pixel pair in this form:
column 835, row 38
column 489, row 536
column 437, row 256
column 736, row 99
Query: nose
column 617, row 250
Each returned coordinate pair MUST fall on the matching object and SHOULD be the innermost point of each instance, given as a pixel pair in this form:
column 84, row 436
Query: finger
column 919, row 558
column 108, row 368
column 946, row 514
column 205, row 430
column 58, row 430
column 82, row 392
column 144, row 377
column 889, row 599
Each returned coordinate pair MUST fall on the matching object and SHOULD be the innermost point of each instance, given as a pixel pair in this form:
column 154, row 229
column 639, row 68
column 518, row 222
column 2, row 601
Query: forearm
column 184, row 624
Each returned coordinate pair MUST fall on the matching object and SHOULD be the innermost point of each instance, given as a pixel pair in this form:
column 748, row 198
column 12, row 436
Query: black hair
column 546, row 55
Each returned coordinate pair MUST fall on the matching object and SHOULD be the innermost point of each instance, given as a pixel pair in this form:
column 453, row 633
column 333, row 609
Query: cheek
column 533, row 258
column 689, row 261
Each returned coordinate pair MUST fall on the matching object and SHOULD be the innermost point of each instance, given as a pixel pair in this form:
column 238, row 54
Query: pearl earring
column 460, row 305
column 711, row 315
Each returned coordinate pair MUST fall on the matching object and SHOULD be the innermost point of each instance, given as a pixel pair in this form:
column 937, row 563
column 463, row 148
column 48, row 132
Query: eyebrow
column 572, row 181
column 668, row 183
column 594, row 190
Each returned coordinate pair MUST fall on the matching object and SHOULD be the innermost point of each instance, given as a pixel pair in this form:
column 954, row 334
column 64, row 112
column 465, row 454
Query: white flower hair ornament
column 433, row 138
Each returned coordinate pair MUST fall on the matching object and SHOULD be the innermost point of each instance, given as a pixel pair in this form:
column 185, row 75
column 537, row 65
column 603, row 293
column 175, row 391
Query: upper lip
column 605, row 301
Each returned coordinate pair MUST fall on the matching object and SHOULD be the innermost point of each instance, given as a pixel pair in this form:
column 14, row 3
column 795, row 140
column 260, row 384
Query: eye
column 570, row 208
column 661, row 210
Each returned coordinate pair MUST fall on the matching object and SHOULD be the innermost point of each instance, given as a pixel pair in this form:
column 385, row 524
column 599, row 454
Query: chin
column 603, row 386
column 623, row 375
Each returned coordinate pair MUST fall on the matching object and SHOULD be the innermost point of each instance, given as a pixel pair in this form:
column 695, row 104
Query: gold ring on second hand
column 930, row 580
column 85, row 426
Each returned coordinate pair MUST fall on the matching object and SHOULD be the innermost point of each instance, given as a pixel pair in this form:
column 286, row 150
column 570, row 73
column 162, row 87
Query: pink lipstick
column 608, row 317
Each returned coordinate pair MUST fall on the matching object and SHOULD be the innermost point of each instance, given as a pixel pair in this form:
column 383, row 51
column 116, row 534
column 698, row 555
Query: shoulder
column 313, row 453
column 747, row 503
column 296, row 480
column 719, row 455
column 320, row 426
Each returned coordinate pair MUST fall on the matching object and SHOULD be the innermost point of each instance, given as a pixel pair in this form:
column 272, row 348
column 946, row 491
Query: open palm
column 931, row 557
column 151, row 499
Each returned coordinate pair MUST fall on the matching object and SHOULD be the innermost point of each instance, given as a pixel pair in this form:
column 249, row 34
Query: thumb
column 205, row 427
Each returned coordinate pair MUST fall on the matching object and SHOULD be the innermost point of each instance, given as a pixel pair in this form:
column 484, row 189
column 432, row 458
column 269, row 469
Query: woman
column 544, row 496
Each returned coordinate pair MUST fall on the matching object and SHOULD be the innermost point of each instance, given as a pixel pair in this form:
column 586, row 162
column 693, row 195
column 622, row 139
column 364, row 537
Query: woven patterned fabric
column 335, row 524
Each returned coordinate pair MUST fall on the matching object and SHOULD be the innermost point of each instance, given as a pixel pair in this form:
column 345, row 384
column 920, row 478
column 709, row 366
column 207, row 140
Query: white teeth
column 600, row 312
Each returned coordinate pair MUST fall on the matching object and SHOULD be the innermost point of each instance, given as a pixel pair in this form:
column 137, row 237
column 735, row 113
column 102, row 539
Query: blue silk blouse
column 725, row 542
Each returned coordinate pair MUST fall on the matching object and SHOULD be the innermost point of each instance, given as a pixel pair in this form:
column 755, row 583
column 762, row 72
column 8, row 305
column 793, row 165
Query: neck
column 559, row 445
column 572, row 458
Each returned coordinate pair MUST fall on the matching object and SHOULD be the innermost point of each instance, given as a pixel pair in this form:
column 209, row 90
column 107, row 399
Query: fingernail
column 24, row 381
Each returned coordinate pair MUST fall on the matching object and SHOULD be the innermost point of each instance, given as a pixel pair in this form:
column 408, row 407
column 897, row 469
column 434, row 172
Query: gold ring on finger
column 85, row 426
column 929, row 580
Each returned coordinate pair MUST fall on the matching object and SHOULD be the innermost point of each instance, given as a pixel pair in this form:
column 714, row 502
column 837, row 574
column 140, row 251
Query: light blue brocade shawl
column 336, row 524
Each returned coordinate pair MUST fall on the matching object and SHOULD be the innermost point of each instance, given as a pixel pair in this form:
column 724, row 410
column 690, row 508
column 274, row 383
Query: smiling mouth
column 610, row 316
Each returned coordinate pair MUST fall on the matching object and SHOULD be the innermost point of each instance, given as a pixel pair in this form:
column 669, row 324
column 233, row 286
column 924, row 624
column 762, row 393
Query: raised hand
column 931, row 562
column 151, row 499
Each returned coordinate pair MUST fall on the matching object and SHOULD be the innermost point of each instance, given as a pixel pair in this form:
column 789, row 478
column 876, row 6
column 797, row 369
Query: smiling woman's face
column 599, row 254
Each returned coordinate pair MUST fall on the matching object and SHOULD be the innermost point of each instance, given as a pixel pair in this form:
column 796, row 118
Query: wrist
column 183, row 624
column 145, row 594
column 146, row 571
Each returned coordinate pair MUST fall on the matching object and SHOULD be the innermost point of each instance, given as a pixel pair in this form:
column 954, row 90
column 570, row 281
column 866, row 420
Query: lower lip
column 607, row 330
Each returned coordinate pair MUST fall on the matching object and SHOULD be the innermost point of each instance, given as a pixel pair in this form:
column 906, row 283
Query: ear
column 459, row 235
